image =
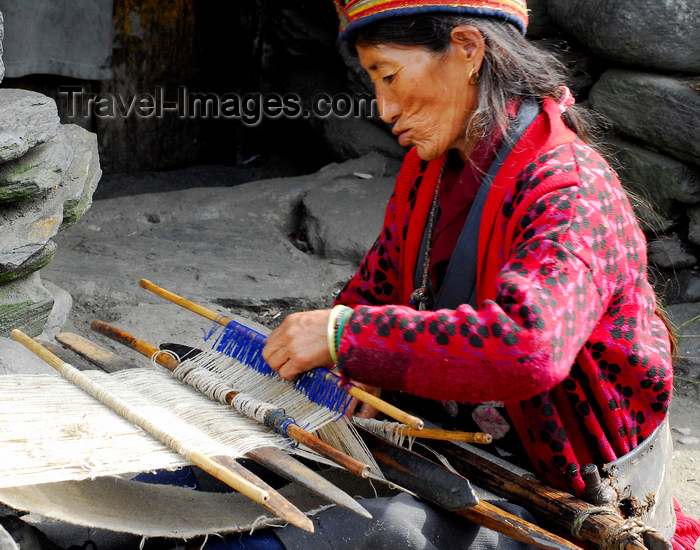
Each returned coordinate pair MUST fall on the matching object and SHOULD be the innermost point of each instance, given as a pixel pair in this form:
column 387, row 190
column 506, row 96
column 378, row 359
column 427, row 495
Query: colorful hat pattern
column 355, row 14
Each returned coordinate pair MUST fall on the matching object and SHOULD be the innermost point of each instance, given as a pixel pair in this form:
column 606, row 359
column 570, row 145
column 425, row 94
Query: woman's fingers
column 366, row 411
column 299, row 344
column 360, row 409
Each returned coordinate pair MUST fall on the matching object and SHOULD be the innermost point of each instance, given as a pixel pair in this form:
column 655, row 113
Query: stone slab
column 41, row 169
column 35, row 262
column 28, row 119
column 660, row 111
column 82, row 176
column 24, row 304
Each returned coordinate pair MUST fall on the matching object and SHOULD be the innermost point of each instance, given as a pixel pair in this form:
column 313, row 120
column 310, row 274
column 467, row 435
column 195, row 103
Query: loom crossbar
column 222, row 468
column 290, row 429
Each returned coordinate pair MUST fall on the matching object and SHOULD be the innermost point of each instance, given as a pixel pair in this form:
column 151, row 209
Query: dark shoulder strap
column 459, row 284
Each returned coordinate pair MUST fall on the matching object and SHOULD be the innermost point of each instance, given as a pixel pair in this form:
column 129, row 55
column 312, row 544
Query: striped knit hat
column 355, row 14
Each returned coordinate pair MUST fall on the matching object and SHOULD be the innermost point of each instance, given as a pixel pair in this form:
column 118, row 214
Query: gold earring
column 473, row 77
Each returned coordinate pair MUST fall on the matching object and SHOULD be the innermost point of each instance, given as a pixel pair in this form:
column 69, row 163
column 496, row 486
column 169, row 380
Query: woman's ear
column 470, row 43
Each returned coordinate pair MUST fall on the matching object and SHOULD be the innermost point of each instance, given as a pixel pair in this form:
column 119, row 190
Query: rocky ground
column 261, row 250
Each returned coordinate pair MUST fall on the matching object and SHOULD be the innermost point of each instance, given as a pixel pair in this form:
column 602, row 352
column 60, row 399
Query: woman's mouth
column 403, row 138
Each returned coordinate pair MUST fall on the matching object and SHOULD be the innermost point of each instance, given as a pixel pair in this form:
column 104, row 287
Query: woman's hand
column 299, row 344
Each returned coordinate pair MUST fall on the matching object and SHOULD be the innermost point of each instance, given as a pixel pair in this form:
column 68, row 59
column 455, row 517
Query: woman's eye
column 388, row 79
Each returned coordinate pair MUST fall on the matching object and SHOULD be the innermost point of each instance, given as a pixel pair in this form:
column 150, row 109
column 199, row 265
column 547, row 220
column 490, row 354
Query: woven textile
column 355, row 14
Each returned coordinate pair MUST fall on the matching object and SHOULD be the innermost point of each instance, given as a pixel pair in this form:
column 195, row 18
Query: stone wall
column 649, row 90
column 48, row 173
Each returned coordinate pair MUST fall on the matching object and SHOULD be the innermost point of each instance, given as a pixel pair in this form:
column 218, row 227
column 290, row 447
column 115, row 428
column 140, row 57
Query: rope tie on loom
column 395, row 432
column 278, row 421
column 616, row 537
column 217, row 389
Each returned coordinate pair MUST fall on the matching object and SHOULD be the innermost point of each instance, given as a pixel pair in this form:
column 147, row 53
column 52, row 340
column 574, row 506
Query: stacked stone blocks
column 48, row 173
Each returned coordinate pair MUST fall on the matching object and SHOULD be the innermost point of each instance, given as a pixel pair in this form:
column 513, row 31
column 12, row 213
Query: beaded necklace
column 419, row 297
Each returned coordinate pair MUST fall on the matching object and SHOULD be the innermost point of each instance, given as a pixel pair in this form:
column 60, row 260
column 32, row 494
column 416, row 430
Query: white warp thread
column 260, row 389
column 52, row 431
column 395, row 432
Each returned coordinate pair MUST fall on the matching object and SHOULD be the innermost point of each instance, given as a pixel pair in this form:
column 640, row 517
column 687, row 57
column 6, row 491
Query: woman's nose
column 389, row 110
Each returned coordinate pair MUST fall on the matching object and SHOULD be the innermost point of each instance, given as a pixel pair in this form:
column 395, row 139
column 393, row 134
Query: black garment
column 399, row 523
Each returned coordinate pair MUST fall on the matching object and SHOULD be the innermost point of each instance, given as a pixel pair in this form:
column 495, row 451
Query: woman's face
column 426, row 96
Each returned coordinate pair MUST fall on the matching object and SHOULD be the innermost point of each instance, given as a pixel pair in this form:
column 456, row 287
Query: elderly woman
column 510, row 274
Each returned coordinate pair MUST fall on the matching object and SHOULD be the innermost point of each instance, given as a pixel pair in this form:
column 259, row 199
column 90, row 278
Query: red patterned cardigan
column 565, row 332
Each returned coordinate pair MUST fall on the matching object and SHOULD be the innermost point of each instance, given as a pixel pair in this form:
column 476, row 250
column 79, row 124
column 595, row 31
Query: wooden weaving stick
column 293, row 431
column 222, row 468
column 97, row 355
column 272, row 458
column 361, row 395
column 549, row 504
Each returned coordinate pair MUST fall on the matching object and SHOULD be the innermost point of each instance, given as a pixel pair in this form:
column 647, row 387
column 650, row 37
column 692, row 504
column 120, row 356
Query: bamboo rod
column 358, row 393
column 293, row 431
column 449, row 435
column 230, row 478
column 440, row 435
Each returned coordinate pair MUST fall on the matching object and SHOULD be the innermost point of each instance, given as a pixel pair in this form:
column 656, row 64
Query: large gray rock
column 334, row 234
column 39, row 170
column 28, row 118
column 656, row 179
column 661, row 35
column 694, row 225
column 83, row 175
column 661, row 111
column 670, row 253
column 24, row 304
column 27, row 227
